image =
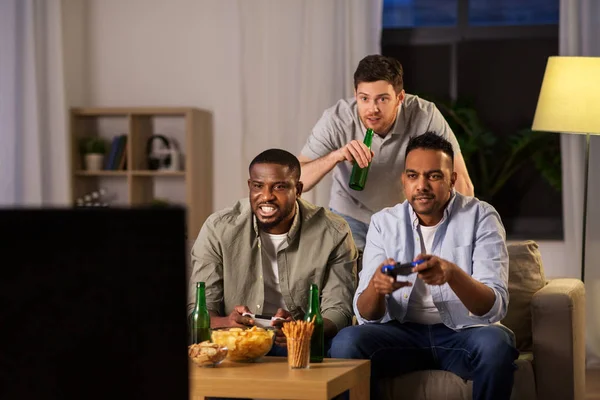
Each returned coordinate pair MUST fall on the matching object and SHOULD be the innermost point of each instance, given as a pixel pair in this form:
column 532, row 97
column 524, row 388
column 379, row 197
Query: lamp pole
column 585, row 198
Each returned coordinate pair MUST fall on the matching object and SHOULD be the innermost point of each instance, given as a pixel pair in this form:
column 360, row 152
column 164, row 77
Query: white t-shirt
column 271, row 244
column 420, row 305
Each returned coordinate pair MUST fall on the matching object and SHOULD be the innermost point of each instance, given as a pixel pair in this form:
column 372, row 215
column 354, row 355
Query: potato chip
column 207, row 353
column 245, row 345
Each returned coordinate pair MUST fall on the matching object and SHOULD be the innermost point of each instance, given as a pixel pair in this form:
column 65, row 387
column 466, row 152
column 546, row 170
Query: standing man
column 444, row 315
column 381, row 104
column 261, row 255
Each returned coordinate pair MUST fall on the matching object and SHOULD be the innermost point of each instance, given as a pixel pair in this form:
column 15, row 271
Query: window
column 488, row 56
column 414, row 13
column 512, row 12
column 446, row 13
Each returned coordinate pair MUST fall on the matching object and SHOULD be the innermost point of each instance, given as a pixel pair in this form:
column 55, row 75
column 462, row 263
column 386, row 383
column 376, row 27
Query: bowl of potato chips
column 207, row 354
column 244, row 344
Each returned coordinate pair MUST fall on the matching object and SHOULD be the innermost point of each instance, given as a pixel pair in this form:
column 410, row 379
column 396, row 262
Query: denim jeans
column 484, row 355
column 359, row 230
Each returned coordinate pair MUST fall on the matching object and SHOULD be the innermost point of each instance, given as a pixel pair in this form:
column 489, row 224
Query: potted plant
column 93, row 150
column 492, row 159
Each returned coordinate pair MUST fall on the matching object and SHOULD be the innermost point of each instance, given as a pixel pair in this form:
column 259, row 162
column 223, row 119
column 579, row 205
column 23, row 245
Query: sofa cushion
column 442, row 385
column 525, row 277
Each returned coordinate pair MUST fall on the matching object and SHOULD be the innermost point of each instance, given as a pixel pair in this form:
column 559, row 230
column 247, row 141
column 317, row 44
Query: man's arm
column 371, row 302
column 370, row 297
column 235, row 319
column 476, row 297
column 463, row 183
column 314, row 170
column 217, row 321
column 338, row 289
column 330, row 329
column 207, row 267
column 485, row 293
column 326, row 147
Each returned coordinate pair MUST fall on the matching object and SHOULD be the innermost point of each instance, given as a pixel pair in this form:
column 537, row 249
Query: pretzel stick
column 298, row 334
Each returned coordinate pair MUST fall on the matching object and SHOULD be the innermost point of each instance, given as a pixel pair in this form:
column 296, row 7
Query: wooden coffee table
column 271, row 378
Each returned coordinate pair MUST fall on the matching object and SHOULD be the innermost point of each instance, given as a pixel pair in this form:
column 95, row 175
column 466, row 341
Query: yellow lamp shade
column 569, row 100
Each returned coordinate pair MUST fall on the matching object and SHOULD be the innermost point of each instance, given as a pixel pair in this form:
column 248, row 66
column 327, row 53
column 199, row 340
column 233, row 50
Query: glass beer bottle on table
column 317, row 340
column 200, row 319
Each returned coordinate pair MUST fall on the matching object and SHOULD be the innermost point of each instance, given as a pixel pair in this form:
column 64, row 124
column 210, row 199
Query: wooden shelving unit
column 189, row 128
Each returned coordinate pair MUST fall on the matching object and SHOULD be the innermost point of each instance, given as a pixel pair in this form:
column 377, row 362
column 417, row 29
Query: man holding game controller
column 260, row 257
column 443, row 311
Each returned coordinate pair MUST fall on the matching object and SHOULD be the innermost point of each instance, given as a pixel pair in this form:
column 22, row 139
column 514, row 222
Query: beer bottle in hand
column 358, row 178
column 317, row 340
column 200, row 319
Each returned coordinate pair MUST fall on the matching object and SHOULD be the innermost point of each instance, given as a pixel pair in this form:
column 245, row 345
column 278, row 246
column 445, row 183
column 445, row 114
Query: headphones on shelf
column 163, row 158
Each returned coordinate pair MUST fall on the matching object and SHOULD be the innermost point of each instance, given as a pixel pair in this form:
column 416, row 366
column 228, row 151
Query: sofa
column 548, row 319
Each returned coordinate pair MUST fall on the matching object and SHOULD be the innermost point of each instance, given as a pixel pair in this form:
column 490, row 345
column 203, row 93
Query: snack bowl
column 245, row 344
column 207, row 354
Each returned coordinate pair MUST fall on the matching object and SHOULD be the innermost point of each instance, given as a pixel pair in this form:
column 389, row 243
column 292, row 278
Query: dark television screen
column 93, row 304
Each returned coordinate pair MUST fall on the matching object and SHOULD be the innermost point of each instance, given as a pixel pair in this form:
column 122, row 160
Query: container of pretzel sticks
column 298, row 334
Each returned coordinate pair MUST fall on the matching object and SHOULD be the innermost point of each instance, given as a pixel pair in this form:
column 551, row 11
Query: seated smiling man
column 444, row 315
column 262, row 255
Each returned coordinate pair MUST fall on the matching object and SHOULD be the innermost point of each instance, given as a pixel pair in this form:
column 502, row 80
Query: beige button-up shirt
column 227, row 256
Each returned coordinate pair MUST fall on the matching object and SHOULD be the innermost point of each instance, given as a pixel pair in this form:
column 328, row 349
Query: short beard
column 429, row 211
column 265, row 227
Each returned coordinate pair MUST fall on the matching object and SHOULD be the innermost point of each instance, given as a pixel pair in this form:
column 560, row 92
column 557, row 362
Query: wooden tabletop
column 272, row 378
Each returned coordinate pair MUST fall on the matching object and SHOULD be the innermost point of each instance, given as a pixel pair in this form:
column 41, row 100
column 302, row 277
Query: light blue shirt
column 470, row 235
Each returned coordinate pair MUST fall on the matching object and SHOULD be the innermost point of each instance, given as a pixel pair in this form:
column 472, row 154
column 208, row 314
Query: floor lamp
column 569, row 102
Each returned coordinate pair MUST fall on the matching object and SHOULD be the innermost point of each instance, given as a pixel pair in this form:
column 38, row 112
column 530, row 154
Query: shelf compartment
column 83, row 173
column 189, row 128
column 125, row 111
column 157, row 173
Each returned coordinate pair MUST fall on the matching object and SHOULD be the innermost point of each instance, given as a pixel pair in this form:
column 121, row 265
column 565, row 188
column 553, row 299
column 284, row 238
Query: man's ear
column 249, row 183
column 453, row 178
column 299, row 187
column 400, row 96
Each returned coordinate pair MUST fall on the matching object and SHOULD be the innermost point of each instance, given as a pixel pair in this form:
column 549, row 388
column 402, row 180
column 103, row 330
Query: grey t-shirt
column 341, row 124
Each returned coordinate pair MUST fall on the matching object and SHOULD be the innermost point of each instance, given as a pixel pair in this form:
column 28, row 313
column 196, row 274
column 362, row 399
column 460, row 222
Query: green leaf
column 93, row 145
column 492, row 159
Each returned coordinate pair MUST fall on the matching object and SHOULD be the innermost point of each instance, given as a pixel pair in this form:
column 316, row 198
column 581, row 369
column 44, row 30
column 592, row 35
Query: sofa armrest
column 558, row 329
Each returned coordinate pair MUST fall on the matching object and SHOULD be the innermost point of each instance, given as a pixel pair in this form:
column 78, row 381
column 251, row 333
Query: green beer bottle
column 358, row 178
column 200, row 319
column 317, row 340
